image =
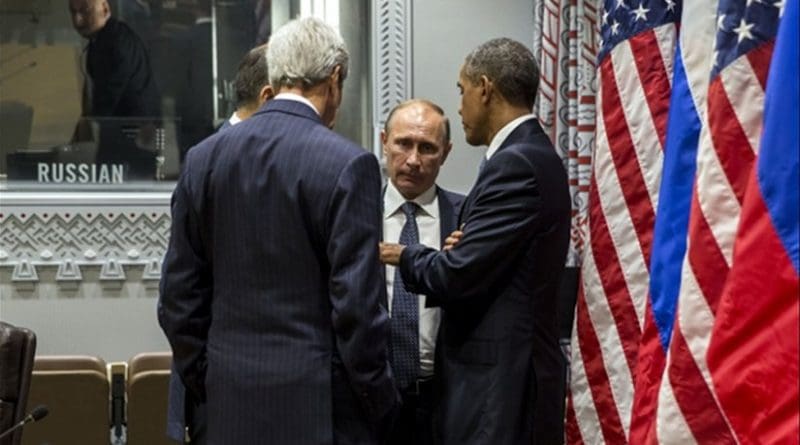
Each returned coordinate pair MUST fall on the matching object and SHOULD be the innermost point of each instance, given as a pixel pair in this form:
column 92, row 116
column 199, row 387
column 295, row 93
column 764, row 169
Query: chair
column 76, row 390
column 148, row 385
column 17, row 349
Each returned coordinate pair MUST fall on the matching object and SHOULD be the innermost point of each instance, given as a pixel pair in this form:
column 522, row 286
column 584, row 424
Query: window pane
column 88, row 101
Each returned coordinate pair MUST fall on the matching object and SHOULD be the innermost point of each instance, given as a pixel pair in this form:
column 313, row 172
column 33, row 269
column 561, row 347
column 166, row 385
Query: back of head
column 251, row 76
column 511, row 68
column 304, row 52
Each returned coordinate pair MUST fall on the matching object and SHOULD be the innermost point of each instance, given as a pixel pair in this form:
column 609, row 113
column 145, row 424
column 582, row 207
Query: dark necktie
column 405, row 312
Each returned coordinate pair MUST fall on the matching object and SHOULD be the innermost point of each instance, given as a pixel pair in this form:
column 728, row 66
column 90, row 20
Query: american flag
column 678, row 131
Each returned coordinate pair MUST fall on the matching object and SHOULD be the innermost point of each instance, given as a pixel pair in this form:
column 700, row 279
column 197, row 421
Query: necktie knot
column 410, row 209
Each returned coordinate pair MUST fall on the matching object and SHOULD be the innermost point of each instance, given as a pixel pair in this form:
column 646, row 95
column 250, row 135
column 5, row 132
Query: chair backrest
column 148, row 385
column 17, row 349
column 76, row 390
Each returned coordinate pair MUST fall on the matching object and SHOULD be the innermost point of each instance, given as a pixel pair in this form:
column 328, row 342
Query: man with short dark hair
column 498, row 353
column 272, row 293
column 251, row 85
column 416, row 142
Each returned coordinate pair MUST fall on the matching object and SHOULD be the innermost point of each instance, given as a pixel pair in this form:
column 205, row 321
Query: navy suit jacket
column 498, row 358
column 272, row 289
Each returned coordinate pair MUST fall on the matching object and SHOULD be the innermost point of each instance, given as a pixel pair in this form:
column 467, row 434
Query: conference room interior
column 81, row 249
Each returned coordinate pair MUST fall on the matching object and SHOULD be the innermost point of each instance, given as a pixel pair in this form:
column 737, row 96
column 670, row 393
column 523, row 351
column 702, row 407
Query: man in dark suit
column 120, row 90
column 272, row 291
column 501, row 368
column 416, row 142
column 186, row 416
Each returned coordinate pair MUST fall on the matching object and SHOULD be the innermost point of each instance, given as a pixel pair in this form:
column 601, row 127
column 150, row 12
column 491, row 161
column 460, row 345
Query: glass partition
column 71, row 120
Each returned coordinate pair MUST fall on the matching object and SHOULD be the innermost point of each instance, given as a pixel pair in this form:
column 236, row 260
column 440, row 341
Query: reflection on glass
column 59, row 124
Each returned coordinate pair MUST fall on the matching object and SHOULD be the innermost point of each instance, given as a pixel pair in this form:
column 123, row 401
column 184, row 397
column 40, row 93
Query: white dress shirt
column 234, row 119
column 502, row 135
column 296, row 98
column 428, row 223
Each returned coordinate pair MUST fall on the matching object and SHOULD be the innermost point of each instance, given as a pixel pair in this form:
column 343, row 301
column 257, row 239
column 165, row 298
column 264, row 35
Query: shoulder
column 533, row 152
column 200, row 155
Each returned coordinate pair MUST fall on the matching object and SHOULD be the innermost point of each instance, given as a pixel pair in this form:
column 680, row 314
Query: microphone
column 37, row 414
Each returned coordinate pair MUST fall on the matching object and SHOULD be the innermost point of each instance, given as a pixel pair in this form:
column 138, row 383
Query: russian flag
column 753, row 355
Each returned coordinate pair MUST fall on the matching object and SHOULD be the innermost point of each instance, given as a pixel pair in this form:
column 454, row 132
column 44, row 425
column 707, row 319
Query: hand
column 390, row 253
column 452, row 239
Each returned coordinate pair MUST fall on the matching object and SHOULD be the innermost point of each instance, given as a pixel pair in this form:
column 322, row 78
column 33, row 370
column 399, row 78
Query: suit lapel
column 447, row 219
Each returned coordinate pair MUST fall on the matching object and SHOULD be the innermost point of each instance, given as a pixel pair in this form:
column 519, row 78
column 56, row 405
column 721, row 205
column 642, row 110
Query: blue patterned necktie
column 405, row 312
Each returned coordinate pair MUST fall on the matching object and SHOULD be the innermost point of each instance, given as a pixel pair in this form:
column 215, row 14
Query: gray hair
column 510, row 66
column 304, row 52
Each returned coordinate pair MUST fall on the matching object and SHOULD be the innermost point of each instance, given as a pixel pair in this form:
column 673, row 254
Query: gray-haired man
column 272, row 290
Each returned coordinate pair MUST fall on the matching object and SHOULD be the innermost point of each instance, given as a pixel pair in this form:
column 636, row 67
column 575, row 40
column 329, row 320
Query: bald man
column 119, row 84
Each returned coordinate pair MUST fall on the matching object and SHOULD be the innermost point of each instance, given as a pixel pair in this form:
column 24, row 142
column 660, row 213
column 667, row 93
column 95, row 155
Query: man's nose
column 413, row 157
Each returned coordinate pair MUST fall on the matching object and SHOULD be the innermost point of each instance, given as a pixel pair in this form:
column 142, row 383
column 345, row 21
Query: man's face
column 415, row 149
column 472, row 110
column 88, row 16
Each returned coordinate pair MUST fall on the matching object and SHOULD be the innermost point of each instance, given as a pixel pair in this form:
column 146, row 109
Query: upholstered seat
column 76, row 390
column 148, row 382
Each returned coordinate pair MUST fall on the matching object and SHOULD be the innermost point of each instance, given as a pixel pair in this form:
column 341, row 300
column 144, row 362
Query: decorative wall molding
column 392, row 66
column 73, row 231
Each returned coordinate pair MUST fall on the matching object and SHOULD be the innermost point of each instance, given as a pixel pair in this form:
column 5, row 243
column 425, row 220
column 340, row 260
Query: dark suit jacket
column 449, row 208
column 498, row 355
column 272, row 289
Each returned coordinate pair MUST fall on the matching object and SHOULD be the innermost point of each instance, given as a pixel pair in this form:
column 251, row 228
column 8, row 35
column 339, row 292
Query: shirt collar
column 393, row 200
column 234, row 119
column 297, row 98
column 502, row 135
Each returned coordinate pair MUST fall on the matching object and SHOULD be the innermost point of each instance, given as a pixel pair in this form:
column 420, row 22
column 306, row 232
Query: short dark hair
column 428, row 104
column 251, row 76
column 510, row 66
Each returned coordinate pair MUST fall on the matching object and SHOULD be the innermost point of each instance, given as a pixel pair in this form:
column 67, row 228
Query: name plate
column 70, row 173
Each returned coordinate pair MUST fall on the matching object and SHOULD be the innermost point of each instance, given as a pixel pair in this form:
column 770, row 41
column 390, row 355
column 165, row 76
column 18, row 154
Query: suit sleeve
column 184, row 307
column 504, row 216
column 357, row 291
